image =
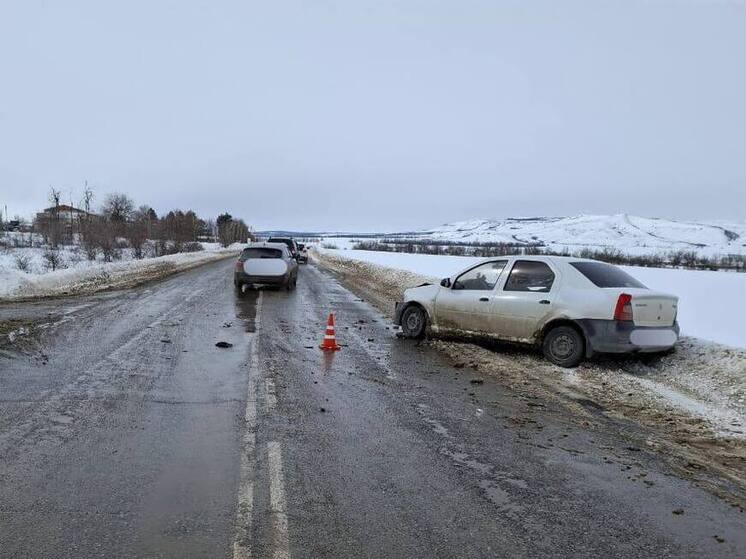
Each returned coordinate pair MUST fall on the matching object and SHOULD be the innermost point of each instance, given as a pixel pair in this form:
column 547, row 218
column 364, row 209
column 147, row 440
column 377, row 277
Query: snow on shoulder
column 100, row 276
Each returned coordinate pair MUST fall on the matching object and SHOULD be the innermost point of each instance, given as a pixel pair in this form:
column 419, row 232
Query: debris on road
column 224, row 344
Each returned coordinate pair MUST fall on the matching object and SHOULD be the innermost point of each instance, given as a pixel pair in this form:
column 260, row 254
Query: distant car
column 302, row 254
column 570, row 307
column 266, row 264
column 288, row 242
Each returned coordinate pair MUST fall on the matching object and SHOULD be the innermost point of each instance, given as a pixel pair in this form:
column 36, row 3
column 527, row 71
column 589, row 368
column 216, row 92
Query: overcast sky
column 378, row 115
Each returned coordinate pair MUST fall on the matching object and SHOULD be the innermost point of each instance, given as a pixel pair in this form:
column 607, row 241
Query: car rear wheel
column 564, row 346
column 292, row 282
column 414, row 322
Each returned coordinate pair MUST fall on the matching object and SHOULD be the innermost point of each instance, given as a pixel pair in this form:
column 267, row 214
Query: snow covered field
column 630, row 234
column 712, row 305
column 80, row 275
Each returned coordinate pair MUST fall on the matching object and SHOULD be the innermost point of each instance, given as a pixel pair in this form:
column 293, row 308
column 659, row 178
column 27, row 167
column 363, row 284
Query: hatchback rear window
column 606, row 275
column 261, row 253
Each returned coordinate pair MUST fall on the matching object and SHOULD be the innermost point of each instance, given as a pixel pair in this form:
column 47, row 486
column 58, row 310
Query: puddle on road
column 246, row 309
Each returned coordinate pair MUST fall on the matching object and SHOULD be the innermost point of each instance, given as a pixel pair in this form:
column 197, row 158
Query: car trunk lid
column 651, row 308
column 265, row 267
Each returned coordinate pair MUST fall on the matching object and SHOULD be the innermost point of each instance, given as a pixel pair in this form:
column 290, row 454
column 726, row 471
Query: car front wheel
column 564, row 346
column 414, row 322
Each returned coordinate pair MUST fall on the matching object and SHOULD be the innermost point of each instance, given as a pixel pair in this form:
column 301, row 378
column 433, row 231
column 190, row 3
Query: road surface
column 125, row 432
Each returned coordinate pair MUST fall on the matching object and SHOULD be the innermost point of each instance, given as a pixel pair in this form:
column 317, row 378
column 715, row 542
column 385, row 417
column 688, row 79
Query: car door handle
column 544, row 302
column 484, row 299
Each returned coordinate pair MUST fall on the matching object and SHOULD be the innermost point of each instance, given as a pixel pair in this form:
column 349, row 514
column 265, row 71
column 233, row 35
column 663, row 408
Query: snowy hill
column 630, row 234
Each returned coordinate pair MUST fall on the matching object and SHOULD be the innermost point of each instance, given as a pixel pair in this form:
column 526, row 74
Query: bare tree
column 54, row 196
column 87, row 198
column 49, row 223
column 118, row 207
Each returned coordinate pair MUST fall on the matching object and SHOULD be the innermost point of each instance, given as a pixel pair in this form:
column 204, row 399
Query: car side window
column 482, row 278
column 530, row 275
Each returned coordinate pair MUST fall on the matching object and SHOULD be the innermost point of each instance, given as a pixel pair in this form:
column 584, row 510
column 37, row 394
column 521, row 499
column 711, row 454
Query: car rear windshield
column 288, row 242
column 261, row 253
column 606, row 275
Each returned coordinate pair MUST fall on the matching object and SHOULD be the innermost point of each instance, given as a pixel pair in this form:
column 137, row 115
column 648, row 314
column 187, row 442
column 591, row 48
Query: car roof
column 265, row 244
column 556, row 260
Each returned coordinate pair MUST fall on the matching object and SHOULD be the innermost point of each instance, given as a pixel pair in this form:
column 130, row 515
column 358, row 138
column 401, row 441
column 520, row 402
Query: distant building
column 62, row 212
column 61, row 222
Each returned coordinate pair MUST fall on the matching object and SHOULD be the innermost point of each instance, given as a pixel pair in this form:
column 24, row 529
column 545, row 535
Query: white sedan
column 570, row 307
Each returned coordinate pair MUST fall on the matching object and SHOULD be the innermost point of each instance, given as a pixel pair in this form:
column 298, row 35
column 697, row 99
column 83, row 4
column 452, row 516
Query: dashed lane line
column 242, row 536
column 278, row 506
column 271, row 396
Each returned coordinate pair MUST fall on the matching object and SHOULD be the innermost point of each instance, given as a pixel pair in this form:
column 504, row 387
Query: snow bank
column 712, row 305
column 87, row 277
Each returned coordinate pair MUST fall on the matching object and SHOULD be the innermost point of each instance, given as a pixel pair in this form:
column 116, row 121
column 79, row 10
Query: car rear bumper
column 240, row 278
column 612, row 336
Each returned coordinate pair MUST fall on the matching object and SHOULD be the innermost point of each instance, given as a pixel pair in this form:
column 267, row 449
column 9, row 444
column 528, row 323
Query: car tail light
column 239, row 266
column 623, row 309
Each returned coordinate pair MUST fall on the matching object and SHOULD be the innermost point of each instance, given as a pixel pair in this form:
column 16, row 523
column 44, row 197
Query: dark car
column 288, row 242
column 266, row 264
column 302, row 254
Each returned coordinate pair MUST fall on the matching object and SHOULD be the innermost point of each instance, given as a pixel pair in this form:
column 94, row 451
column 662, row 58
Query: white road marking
column 241, row 539
column 278, row 506
column 269, row 384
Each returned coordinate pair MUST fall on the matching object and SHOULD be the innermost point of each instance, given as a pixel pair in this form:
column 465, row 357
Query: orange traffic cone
column 330, row 342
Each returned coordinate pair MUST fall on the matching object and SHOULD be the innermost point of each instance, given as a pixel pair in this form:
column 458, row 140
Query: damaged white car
column 570, row 307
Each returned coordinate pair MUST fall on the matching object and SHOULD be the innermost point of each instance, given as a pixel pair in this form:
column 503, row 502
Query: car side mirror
column 445, row 282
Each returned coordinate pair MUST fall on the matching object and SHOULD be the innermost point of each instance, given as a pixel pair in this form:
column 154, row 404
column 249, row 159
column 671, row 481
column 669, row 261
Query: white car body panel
column 265, row 267
column 522, row 315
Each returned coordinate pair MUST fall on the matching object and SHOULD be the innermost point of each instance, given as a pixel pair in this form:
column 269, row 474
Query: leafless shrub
column 23, row 262
column 332, row 246
column 137, row 234
column 75, row 255
column 105, row 240
column 53, row 259
column 192, row 247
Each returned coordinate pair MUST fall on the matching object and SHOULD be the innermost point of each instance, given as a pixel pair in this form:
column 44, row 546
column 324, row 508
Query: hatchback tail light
column 239, row 266
column 623, row 309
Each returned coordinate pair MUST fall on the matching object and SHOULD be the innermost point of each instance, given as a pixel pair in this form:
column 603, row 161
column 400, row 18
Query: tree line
column 688, row 259
column 120, row 224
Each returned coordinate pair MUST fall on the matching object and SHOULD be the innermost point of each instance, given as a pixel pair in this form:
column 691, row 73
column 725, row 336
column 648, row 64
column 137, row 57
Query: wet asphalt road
column 124, row 432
